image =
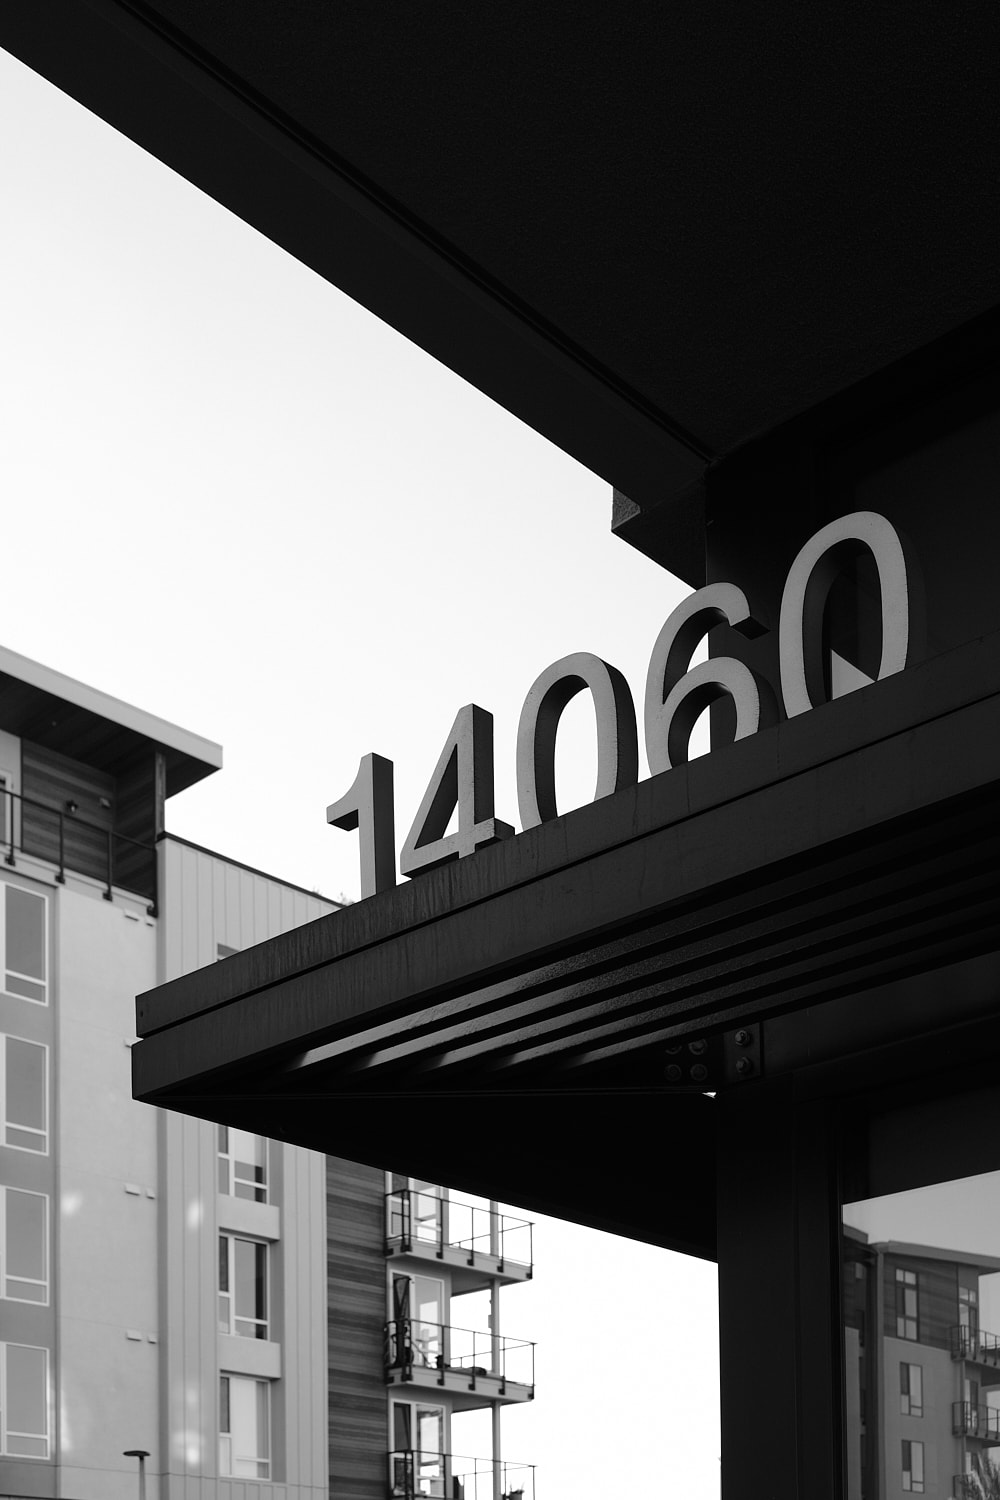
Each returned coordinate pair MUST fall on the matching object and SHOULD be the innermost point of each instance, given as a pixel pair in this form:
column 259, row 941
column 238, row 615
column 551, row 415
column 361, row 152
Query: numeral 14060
column 676, row 694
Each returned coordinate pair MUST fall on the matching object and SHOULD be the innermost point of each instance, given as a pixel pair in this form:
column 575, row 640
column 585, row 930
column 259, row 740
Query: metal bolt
column 743, row 1038
column 744, row 1066
column 674, row 1074
column 699, row 1073
column 698, row 1047
column 673, row 1050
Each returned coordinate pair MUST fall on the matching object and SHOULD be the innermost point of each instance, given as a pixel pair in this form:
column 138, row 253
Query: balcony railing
column 413, row 1216
column 59, row 837
column 972, row 1486
column 975, row 1343
column 446, row 1476
column 969, row 1419
column 412, row 1344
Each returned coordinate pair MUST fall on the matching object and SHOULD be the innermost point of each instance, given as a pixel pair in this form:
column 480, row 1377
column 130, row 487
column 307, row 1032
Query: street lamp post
column 141, row 1454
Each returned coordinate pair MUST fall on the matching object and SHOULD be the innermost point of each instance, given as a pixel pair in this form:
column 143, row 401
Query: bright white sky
column 236, row 499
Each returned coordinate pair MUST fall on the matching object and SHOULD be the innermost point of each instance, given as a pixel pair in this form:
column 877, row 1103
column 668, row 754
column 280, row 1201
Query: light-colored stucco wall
column 105, row 1258
column 941, row 1387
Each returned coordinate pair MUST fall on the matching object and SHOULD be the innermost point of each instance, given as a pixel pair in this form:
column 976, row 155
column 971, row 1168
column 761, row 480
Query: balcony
column 976, row 1344
column 477, row 1368
column 974, row 1486
column 413, row 1475
column 479, row 1244
column 976, row 1421
column 57, row 835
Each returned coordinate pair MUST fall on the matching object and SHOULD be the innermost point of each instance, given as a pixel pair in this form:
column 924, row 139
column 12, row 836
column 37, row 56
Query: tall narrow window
column 911, row 1390
column 23, row 943
column 242, row 1287
column 244, row 1427
column 426, row 1201
column 24, row 1251
column 242, row 1164
column 418, row 1449
column 968, row 1309
column 23, row 1094
column 6, row 807
column 24, row 1401
column 913, row 1466
column 906, row 1304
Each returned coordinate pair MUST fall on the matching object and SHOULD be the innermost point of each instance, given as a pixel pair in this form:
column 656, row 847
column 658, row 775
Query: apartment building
column 922, row 1377
column 162, row 1278
column 407, row 1364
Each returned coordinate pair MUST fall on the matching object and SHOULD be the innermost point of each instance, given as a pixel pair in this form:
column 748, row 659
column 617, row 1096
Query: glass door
column 425, row 1199
column 418, row 1311
column 418, row 1459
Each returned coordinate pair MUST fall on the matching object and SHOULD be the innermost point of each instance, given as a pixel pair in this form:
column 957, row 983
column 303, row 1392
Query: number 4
column 463, row 778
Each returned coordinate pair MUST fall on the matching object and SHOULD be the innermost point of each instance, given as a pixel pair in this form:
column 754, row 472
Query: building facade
column 404, row 1370
column 921, row 1376
column 162, row 1279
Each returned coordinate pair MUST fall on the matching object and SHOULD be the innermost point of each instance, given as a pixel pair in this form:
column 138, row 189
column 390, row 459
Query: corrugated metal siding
column 207, row 901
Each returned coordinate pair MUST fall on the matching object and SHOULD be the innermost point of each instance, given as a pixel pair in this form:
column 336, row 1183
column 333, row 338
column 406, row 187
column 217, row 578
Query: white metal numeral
column 368, row 807
column 462, row 779
column 617, row 741
column 804, row 601
column 676, row 692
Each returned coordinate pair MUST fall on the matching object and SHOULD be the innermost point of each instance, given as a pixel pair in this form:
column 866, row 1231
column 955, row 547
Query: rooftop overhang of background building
column 654, row 238
column 50, row 709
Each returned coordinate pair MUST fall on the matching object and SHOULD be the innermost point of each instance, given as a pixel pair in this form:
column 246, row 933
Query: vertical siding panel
column 247, row 923
column 220, row 910
column 275, row 910
column 260, row 910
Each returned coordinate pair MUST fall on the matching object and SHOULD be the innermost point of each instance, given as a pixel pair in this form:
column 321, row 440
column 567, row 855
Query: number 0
column 804, row 599
column 617, row 747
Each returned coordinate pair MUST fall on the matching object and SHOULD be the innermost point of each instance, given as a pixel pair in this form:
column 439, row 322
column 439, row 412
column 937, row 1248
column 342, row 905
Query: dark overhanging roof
column 51, row 709
column 654, row 235
column 810, row 883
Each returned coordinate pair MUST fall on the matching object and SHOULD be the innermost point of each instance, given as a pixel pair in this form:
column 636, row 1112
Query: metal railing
column 414, row 1216
column 446, row 1476
column 978, row 1485
column 414, row 1344
column 975, row 1343
column 972, row 1419
column 56, row 835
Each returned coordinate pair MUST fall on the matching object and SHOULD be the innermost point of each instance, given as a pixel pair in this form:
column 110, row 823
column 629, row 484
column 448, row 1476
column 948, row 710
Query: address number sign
column 676, row 694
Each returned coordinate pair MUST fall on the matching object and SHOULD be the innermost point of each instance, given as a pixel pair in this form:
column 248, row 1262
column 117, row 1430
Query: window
column 23, row 1094
column 913, row 1466
column 906, row 1303
column 24, row 1246
column 416, row 1209
column 968, row 1308
column 23, row 943
column 24, row 1401
column 242, row 1287
column 418, row 1449
column 417, row 1308
column 242, row 1164
column 7, row 805
column 911, row 1390
column 244, row 1427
